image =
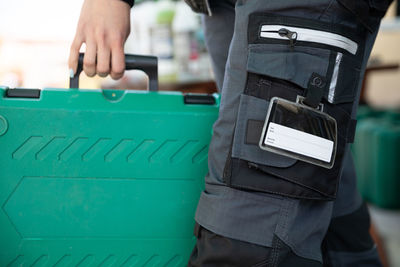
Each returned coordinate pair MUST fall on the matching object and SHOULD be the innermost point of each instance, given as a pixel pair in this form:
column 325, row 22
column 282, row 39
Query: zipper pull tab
column 292, row 36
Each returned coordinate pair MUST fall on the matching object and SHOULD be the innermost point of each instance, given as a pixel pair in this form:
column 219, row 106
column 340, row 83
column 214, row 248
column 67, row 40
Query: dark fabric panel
column 216, row 250
column 265, row 87
column 360, row 8
column 253, row 132
column 286, row 258
column 250, row 176
column 352, row 131
column 325, row 181
column 368, row 12
column 369, row 258
column 302, row 180
column 380, row 5
column 350, row 233
column 317, row 182
column 398, row 8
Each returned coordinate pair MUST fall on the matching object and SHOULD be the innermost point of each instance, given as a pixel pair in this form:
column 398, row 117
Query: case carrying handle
column 148, row 64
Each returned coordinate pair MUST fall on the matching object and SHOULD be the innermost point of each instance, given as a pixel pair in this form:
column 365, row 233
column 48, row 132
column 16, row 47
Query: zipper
column 294, row 34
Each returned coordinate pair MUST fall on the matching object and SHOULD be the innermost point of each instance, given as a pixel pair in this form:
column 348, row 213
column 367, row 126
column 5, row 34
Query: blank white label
column 299, row 142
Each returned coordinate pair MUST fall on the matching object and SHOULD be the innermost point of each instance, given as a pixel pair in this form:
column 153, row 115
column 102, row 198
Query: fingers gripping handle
column 148, row 64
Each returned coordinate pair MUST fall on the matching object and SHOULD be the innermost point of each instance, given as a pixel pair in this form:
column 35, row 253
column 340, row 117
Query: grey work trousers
column 249, row 228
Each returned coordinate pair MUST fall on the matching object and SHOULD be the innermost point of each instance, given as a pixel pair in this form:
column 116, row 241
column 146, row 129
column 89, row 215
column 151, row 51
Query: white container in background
column 186, row 53
column 143, row 18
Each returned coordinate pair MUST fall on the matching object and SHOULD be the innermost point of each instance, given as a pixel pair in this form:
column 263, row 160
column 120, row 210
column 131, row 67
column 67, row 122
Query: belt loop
column 315, row 90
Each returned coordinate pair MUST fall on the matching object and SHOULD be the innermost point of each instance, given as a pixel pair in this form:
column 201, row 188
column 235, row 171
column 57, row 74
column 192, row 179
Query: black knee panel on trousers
column 348, row 234
column 214, row 250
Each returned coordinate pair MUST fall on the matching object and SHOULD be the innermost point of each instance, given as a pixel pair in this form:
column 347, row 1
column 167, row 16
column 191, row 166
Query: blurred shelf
column 190, row 86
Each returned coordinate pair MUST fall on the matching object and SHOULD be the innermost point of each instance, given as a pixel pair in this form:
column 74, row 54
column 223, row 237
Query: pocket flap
column 295, row 64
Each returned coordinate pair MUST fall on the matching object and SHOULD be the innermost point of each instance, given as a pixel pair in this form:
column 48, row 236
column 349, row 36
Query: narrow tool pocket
column 285, row 56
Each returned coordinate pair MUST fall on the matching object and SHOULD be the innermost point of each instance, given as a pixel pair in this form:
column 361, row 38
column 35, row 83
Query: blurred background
column 34, row 46
column 35, row 39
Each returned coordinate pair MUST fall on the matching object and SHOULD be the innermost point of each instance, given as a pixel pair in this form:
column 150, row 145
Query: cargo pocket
column 284, row 54
column 251, row 115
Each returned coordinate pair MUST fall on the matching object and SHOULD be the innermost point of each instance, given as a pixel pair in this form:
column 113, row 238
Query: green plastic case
column 377, row 152
column 101, row 177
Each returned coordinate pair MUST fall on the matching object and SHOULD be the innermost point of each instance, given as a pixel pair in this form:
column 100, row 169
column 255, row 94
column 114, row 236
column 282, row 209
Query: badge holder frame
column 317, row 114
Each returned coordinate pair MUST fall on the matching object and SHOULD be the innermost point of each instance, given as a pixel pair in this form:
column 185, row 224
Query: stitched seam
column 276, row 242
column 221, row 232
column 325, row 10
column 241, row 187
column 275, row 256
column 262, row 263
column 262, row 199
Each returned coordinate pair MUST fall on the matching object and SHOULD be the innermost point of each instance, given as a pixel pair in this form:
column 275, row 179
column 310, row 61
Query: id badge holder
column 298, row 131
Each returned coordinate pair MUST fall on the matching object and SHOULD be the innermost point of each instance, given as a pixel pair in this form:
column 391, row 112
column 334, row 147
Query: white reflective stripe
column 332, row 86
column 308, row 35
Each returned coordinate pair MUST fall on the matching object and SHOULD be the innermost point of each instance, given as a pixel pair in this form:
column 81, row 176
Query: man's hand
column 104, row 26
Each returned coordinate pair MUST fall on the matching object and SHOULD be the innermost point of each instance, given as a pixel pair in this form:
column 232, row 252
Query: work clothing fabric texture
column 273, row 208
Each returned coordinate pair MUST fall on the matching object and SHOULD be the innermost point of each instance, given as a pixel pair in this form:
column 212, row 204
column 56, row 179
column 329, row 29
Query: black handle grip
column 148, row 64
